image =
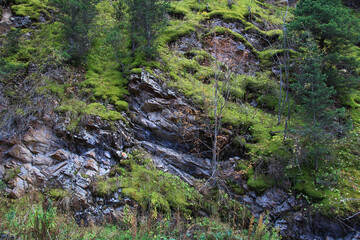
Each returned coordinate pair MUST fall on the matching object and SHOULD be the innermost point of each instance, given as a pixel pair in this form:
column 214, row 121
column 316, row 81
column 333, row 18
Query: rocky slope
column 48, row 155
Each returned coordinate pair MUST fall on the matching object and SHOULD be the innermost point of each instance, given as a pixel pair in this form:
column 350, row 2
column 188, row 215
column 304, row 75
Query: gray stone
column 82, row 182
column 107, row 154
column 42, row 160
column 248, row 200
column 196, row 167
column 281, row 224
column 32, row 175
column 279, row 210
column 154, row 104
column 2, row 171
column 20, row 187
column 55, row 170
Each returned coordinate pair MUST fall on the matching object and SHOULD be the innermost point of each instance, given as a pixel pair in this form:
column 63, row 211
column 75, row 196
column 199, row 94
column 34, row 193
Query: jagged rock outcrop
column 47, row 156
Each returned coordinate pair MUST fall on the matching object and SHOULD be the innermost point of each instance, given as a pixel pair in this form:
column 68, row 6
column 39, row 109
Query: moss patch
column 32, row 8
column 259, row 183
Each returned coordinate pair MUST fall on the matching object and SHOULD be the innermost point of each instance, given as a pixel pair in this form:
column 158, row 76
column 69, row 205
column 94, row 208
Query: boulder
column 32, row 175
column 38, row 141
column 154, row 104
column 20, row 152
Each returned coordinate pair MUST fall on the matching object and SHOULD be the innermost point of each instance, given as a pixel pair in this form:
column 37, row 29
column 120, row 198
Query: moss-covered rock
column 259, row 183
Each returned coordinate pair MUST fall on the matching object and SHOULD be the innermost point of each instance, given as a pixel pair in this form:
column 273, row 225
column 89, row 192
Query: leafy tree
column 77, row 17
column 146, row 19
column 317, row 113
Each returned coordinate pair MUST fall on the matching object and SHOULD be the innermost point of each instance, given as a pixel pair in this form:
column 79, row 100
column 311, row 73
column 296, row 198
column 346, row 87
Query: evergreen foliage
column 334, row 29
column 319, row 118
column 77, row 17
column 146, row 20
column 330, row 22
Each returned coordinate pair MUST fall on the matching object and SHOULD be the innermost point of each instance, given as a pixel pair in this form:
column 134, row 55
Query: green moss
column 259, row 183
column 97, row 109
column 148, row 186
column 78, row 108
column 31, row 8
column 136, row 71
column 104, row 188
column 269, row 57
column 246, row 169
column 176, row 30
column 83, row 175
column 11, row 173
column 158, row 190
column 352, row 99
column 58, row 194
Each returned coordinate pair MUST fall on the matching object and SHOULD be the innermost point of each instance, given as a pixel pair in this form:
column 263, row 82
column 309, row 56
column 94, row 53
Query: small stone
column 82, row 182
column 91, row 173
column 91, row 154
column 107, row 154
column 55, row 170
column 248, row 200
column 92, row 165
column 283, row 208
column 19, row 189
column 60, row 155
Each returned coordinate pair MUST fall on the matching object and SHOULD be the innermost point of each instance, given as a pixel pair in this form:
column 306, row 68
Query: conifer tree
column 146, row 19
column 316, row 110
column 77, row 17
column 335, row 29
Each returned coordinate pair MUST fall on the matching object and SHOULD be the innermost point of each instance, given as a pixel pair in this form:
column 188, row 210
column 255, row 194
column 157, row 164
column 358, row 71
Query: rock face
column 48, row 156
column 156, row 110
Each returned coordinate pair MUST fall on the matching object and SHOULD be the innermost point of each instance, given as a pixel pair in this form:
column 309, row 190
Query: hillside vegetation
column 273, row 87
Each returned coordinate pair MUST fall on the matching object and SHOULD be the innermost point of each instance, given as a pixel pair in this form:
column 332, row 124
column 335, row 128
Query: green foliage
column 157, row 190
column 334, row 28
column 76, row 110
column 11, row 173
column 11, row 45
column 32, row 8
column 77, row 18
column 330, row 22
column 146, row 20
column 150, row 187
column 40, row 222
column 7, row 68
column 259, row 183
column 58, row 194
column 315, row 99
